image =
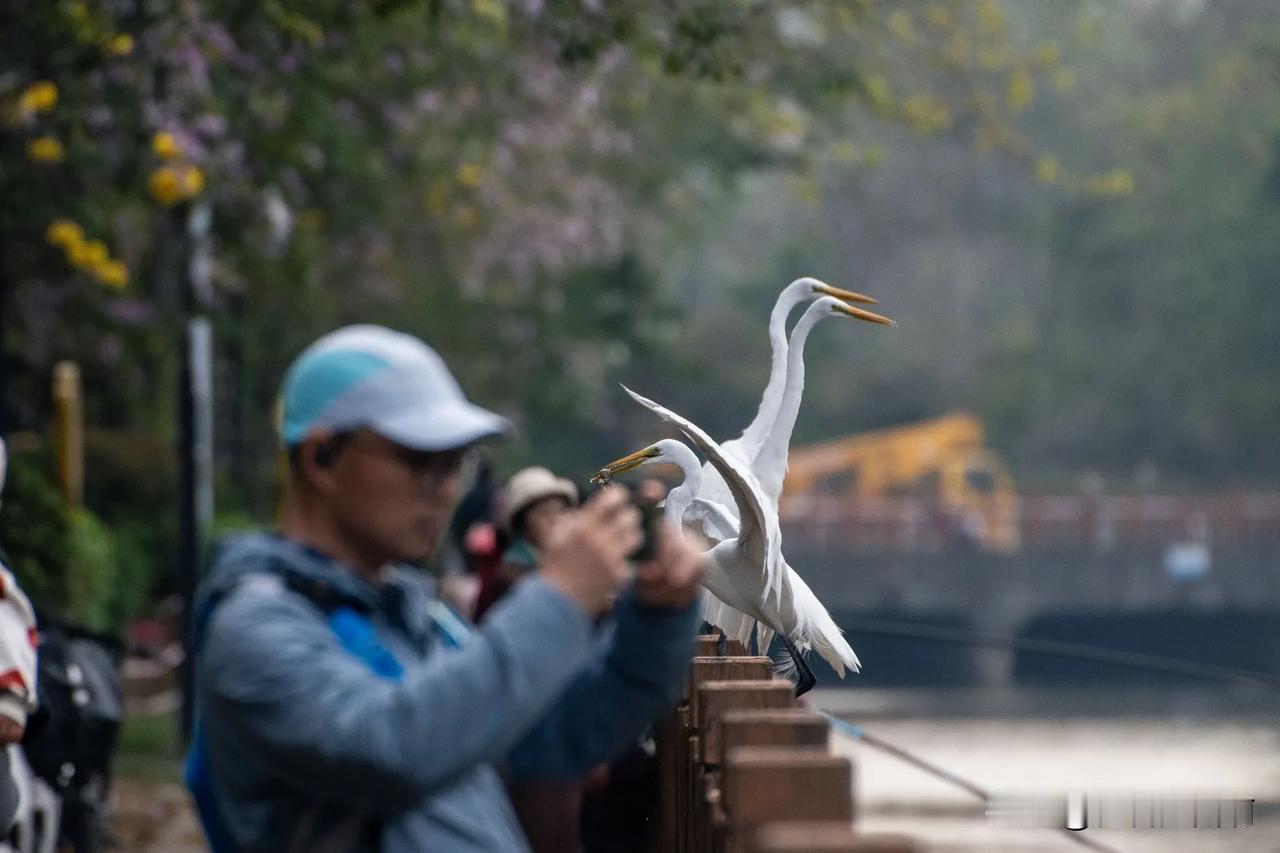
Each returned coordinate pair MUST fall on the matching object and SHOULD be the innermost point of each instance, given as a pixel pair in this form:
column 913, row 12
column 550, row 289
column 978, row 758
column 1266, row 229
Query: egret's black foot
column 805, row 679
column 708, row 628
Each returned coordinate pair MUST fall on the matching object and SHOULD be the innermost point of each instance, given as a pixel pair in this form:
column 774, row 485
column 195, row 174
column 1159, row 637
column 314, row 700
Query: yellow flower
column 469, row 175
column 1020, row 89
column 877, row 89
column 993, row 59
column 192, row 181
column 1118, row 182
column 991, row 16
column 493, row 11
column 63, row 233
column 120, row 45
column 1047, row 169
column 46, row 149
column 39, row 97
column 165, row 146
column 165, row 186
column 926, row 114
column 171, row 184
column 1063, row 79
column 113, row 274
column 89, row 255
column 844, row 151
column 1047, row 53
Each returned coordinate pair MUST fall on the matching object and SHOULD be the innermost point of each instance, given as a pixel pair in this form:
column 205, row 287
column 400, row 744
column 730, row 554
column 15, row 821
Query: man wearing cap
column 340, row 705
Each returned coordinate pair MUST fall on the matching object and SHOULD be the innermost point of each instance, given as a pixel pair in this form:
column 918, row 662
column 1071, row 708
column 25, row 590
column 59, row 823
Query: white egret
column 764, row 445
column 739, row 573
column 799, row 291
column 770, row 462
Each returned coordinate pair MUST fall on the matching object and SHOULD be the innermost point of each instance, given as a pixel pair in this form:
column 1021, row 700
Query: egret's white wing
column 717, row 523
column 817, row 630
column 759, row 535
column 713, row 488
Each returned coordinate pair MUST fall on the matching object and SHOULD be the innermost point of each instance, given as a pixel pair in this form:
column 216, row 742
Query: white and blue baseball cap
column 394, row 384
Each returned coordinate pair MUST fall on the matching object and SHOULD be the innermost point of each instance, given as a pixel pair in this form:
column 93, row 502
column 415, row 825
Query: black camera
column 650, row 519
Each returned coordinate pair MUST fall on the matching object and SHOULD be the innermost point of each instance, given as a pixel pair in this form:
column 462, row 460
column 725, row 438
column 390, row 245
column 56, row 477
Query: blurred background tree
column 560, row 194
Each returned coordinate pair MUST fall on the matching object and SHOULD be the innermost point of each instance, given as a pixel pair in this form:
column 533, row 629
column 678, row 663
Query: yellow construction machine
column 942, row 460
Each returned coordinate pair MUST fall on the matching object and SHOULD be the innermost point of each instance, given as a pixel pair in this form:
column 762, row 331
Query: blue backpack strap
column 197, row 769
column 356, row 634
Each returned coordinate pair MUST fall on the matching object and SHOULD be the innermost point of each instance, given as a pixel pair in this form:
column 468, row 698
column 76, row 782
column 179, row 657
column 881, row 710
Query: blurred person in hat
column 340, row 705
column 532, row 503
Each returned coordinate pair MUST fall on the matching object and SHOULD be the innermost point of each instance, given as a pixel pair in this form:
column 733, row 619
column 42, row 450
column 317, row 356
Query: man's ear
column 316, row 456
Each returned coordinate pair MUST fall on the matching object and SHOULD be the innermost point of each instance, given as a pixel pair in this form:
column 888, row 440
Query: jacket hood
column 235, row 556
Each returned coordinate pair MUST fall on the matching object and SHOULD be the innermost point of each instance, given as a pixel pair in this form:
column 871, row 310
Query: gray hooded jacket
column 306, row 741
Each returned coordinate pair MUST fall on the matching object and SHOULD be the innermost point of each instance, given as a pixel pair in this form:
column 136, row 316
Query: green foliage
column 1122, row 322
column 94, row 584
column 68, row 563
column 35, row 533
column 1169, row 344
column 563, row 194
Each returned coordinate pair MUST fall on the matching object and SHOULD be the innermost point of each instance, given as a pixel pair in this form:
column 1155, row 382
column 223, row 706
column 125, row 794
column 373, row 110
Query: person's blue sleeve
column 277, row 689
column 639, row 674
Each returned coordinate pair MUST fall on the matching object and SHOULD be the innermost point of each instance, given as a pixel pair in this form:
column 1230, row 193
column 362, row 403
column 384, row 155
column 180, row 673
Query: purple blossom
column 195, row 68
column 428, row 101
column 130, row 312
column 210, row 125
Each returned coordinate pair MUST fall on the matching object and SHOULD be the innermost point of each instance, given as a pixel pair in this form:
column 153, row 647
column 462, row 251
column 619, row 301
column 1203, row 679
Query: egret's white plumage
column 746, row 475
column 779, row 405
column 737, row 586
column 757, row 548
column 735, row 574
column 770, row 462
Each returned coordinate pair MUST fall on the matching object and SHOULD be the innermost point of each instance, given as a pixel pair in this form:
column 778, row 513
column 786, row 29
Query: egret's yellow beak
column 858, row 313
column 846, row 295
column 626, row 463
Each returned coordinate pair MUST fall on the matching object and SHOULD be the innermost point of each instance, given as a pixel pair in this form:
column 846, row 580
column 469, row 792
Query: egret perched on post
column 747, row 571
column 712, row 504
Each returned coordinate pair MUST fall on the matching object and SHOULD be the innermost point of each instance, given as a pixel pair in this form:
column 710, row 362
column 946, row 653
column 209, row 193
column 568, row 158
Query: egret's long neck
column 773, row 454
column 755, row 434
column 679, row 498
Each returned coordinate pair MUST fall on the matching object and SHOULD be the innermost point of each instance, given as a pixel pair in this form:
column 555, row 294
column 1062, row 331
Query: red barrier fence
column 913, row 525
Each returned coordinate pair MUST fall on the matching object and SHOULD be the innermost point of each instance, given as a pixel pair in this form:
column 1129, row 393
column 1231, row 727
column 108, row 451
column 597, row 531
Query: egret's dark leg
column 708, row 628
column 805, row 680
